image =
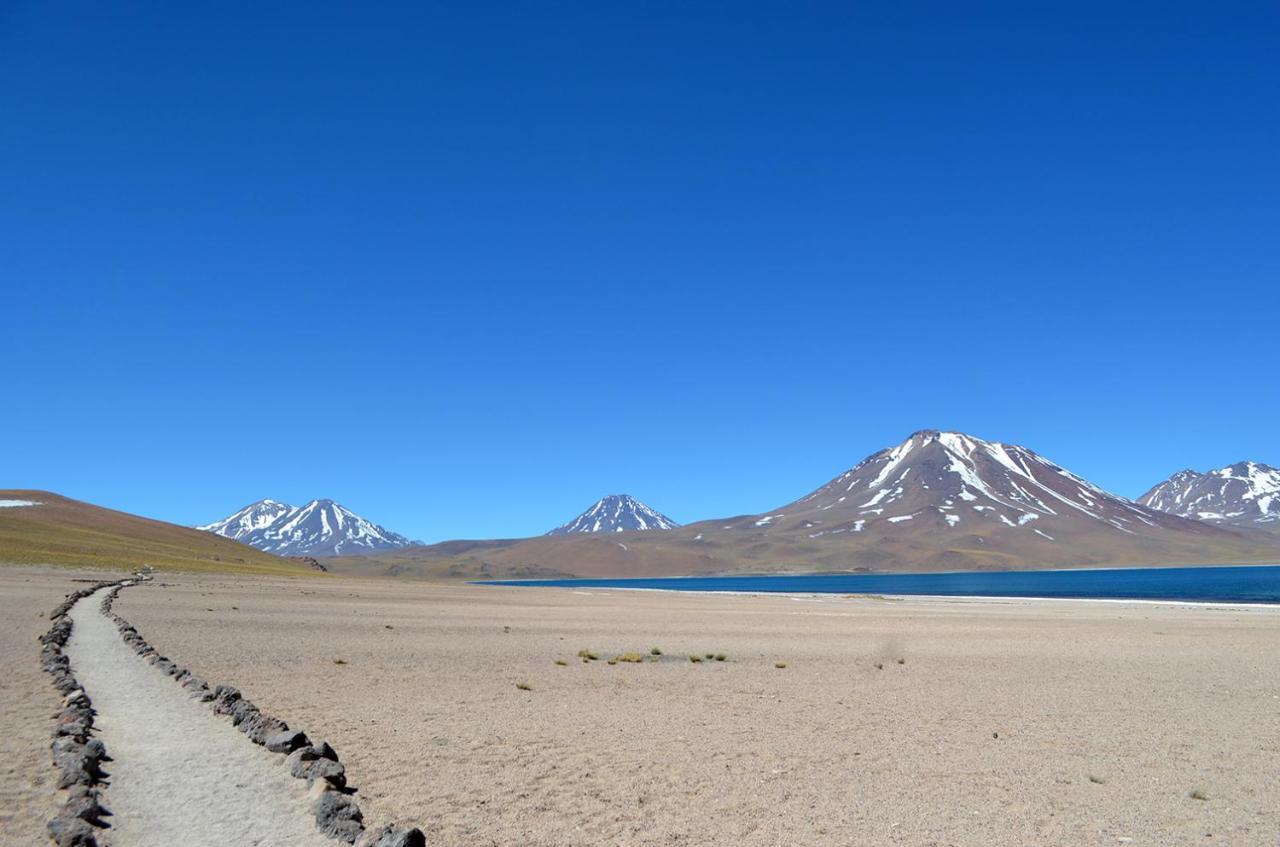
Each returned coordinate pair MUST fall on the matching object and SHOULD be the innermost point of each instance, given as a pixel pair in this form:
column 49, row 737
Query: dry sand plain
column 1019, row 723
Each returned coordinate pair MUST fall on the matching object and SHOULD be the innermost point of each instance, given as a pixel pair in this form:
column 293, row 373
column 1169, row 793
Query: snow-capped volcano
column 616, row 513
column 952, row 482
column 249, row 520
column 320, row 528
column 1243, row 494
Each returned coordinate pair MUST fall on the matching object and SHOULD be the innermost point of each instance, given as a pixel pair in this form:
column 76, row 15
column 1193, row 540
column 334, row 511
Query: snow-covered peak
column 250, row 519
column 955, row 481
column 616, row 513
column 1246, row 493
column 320, row 528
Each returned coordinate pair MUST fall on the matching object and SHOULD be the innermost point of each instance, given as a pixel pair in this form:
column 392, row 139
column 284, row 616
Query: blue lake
column 1256, row 584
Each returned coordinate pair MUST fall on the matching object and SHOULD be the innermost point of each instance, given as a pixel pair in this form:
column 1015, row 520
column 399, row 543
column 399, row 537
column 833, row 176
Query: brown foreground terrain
column 914, row 722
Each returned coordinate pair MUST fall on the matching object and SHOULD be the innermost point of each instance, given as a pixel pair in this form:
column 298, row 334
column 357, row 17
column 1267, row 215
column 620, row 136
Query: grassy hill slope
column 62, row 531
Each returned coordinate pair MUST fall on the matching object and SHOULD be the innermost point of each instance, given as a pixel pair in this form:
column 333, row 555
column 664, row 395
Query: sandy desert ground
column 1043, row 723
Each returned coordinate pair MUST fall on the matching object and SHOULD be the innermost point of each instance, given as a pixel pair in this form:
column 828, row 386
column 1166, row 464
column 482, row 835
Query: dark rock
column 330, row 771
column 337, row 816
column 264, row 728
column 389, row 836
column 299, row 761
column 71, row 831
column 87, row 808
column 287, row 741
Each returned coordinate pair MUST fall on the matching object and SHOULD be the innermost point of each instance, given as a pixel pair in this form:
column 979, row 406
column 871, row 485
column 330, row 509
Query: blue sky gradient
column 467, row 268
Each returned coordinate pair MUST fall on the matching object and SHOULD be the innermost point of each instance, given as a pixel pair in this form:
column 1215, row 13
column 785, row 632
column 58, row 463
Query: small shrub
column 879, row 666
column 1198, row 795
column 1097, row 780
column 655, row 652
column 631, row 658
column 720, row 657
column 561, row 662
column 779, row 665
column 339, row 661
column 695, row 659
column 612, row 662
column 902, row 661
column 587, row 655
column 524, row 686
column 710, row 655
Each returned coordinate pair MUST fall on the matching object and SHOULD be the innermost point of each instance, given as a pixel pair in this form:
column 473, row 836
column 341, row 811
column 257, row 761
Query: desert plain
column 467, row 710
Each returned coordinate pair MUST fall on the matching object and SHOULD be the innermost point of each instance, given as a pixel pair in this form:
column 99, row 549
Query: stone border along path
column 263, row 813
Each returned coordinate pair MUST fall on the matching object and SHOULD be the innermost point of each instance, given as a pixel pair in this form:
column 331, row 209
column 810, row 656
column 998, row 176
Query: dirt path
column 180, row 774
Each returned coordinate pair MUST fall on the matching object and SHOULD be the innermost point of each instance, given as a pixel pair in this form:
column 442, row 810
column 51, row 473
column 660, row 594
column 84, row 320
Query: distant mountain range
column 935, row 501
column 938, row 500
column 320, row 528
column 1245, row 494
column 616, row 513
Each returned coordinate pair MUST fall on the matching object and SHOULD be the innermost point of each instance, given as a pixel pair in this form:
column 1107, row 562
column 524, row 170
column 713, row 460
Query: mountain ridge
column 936, row 501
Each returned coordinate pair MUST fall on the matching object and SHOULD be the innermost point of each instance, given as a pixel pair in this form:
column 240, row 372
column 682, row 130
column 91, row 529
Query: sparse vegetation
column 1097, row 780
column 561, row 662
column 631, row 658
column 339, row 661
column 695, row 658
column 779, row 665
column 879, row 666
column 710, row 655
column 612, row 662
column 587, row 655
column 1198, row 795
column 902, row 661
column 655, row 652
column 720, row 657
column 524, row 686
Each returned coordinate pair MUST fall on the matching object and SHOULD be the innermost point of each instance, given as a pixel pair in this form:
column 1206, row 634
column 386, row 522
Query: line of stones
column 77, row 757
column 336, row 812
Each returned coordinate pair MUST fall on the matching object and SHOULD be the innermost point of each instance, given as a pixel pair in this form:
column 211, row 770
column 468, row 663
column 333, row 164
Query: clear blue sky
column 466, row 268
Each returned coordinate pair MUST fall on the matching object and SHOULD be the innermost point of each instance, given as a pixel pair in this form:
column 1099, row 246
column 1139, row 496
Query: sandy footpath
column 28, row 700
column 179, row 774
column 1007, row 722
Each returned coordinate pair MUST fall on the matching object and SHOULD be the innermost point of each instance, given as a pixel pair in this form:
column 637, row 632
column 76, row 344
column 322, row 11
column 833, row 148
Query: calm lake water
column 1256, row 584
